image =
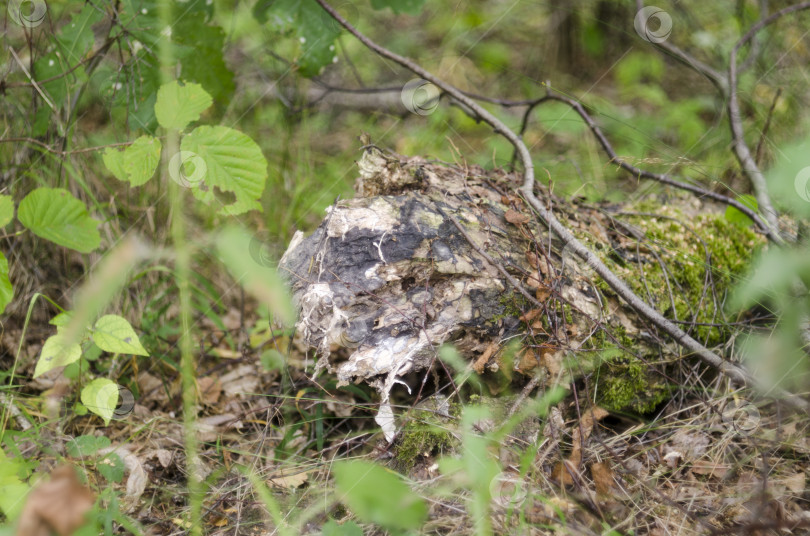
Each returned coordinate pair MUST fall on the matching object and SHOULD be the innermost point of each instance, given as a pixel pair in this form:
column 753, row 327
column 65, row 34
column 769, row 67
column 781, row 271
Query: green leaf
column 272, row 359
column 56, row 353
column 789, row 178
column 76, row 369
column 6, row 210
column 101, row 396
column 737, row 217
column 234, row 163
column 86, row 445
column 55, row 215
column 6, row 290
column 199, row 49
column 135, row 164
column 260, row 280
column 62, row 319
column 76, row 37
column 411, row 7
column 349, row 528
column 315, row 29
column 111, row 467
column 177, row 105
column 12, row 490
column 73, row 41
column 48, row 66
column 114, row 334
column 378, row 496
column 771, row 278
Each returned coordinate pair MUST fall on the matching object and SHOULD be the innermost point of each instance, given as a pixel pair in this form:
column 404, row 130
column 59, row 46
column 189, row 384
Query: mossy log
column 389, row 276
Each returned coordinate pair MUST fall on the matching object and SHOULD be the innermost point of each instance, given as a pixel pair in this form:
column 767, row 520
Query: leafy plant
column 111, row 333
column 379, row 496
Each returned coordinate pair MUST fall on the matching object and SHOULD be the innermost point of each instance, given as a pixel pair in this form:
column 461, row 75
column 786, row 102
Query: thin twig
column 749, row 166
column 765, row 128
column 715, row 77
column 662, row 177
column 731, row 370
column 33, row 82
column 63, row 153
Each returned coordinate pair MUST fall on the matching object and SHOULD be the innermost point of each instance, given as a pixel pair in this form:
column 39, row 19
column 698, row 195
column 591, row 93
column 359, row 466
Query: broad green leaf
column 258, row 278
column 771, row 278
column 55, row 215
column 379, row 496
column 315, row 29
column 75, row 370
column 74, row 40
column 76, row 37
column 734, row 215
column 6, row 290
column 135, row 164
column 233, row 163
column 6, row 210
column 12, row 490
column 177, row 105
column 111, row 467
column 48, row 66
column 101, row 396
column 198, row 46
column 57, row 353
column 62, row 319
column 411, row 7
column 349, row 528
column 272, row 359
column 789, row 178
column 86, row 445
column 114, row 334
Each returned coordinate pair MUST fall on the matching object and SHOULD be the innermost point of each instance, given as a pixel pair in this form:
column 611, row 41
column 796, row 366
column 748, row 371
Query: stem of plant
column 182, row 273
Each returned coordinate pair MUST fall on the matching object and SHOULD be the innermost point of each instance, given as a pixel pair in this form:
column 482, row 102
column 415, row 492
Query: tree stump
column 390, row 277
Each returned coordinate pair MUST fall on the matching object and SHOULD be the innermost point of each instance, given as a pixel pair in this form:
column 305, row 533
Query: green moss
column 627, row 383
column 679, row 292
column 624, row 381
column 419, row 439
column 513, row 304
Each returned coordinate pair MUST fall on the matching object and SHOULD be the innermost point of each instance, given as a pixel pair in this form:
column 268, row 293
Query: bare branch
column 372, row 99
column 741, row 150
column 662, row 177
column 731, row 370
column 715, row 77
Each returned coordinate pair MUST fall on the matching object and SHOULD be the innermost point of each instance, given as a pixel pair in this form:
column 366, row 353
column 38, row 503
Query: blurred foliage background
column 659, row 114
column 285, row 74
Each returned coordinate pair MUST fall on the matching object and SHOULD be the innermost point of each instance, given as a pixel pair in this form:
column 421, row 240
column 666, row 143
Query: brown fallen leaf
column 516, row 218
column 482, row 361
column 710, row 468
column 210, row 389
column 602, row 476
column 528, row 361
column 535, row 280
column 590, row 417
column 564, row 473
column 795, row 482
column 58, row 505
column 290, row 481
column 530, row 315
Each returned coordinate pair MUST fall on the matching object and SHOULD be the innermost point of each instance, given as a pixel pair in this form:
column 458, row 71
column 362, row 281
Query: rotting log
column 429, row 253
